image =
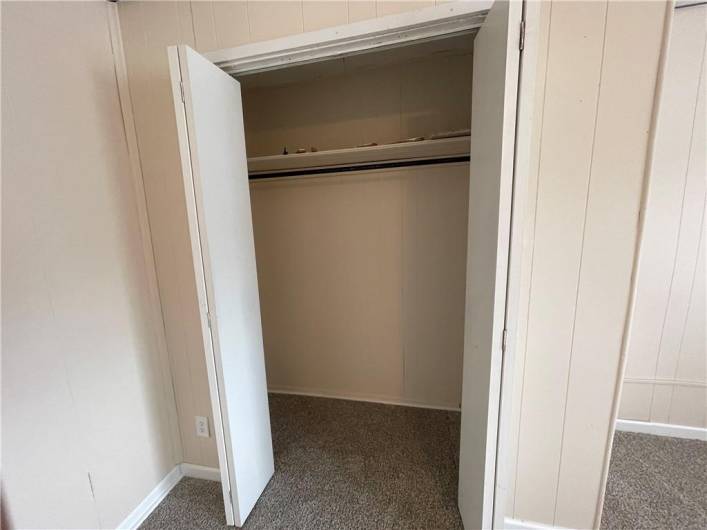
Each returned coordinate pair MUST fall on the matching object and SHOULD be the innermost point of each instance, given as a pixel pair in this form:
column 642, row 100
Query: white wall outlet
column 202, row 426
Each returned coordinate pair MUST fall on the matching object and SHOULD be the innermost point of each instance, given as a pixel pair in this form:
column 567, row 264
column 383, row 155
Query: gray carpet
column 656, row 482
column 351, row 465
column 340, row 464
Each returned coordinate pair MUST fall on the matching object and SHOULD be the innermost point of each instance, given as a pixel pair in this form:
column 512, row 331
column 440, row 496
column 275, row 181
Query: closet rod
column 689, row 3
column 358, row 167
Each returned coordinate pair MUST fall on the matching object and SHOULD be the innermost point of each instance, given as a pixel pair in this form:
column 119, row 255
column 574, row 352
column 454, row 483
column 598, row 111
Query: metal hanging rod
column 358, row 167
column 689, row 3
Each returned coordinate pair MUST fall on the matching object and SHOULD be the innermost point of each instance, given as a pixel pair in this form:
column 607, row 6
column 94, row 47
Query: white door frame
column 360, row 37
column 400, row 30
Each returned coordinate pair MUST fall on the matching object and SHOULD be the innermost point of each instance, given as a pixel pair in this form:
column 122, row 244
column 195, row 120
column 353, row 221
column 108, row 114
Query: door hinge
column 504, row 340
column 521, row 40
column 181, row 91
column 208, row 319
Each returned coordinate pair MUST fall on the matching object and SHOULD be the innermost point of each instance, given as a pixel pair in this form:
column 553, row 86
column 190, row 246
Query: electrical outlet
column 202, row 426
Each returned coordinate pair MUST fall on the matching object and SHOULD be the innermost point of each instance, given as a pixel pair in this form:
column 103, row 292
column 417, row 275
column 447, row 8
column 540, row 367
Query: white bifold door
column 214, row 166
column 493, row 122
column 212, row 146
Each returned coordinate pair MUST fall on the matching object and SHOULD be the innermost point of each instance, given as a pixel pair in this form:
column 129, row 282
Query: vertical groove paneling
column 321, row 14
column 571, row 93
column 231, row 23
column 608, row 246
column 684, row 334
column 204, row 25
column 688, row 403
column 666, row 352
column 361, row 10
column 394, row 7
column 272, row 19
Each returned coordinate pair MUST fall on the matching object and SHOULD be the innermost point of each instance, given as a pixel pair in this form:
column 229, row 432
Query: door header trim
column 350, row 39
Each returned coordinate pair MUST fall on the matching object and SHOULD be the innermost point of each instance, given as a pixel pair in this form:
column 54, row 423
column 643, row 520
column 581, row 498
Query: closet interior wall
column 360, row 99
column 362, row 275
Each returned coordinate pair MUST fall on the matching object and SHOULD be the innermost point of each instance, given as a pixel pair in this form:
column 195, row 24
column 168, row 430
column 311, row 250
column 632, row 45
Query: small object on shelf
column 313, row 149
column 284, row 151
column 413, row 139
column 300, row 151
column 450, row 134
column 369, row 144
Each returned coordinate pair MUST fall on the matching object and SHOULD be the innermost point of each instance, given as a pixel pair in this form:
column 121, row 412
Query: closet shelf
column 447, row 149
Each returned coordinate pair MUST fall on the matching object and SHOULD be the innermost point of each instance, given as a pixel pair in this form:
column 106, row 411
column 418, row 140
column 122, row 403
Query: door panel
column 212, row 147
column 494, row 93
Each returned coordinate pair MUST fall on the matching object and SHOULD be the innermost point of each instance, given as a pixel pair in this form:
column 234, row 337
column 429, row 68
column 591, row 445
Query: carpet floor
column 656, row 482
column 340, row 464
column 352, row 465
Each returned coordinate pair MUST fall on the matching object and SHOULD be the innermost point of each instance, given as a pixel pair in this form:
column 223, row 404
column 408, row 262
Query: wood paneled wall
column 226, row 24
column 597, row 73
column 86, row 429
column 665, row 377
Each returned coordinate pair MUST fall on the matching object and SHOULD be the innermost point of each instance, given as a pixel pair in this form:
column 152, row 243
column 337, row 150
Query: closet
column 349, row 196
column 361, row 249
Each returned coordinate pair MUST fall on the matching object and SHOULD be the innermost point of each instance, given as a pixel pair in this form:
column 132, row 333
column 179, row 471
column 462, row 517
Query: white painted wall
column 85, row 416
column 666, row 379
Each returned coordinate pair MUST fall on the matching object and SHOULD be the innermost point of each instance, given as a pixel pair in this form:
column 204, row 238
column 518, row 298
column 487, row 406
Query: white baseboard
column 149, row 503
column 360, row 397
column 202, row 472
column 518, row 524
column 662, row 429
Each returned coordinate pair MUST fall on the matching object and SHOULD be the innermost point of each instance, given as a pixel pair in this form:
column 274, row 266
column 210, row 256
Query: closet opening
column 359, row 185
column 350, row 225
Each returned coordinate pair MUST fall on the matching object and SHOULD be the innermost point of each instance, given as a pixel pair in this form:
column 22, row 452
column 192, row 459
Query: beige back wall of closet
column 355, row 105
column 581, row 236
column 665, row 379
column 87, row 415
column 374, row 307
